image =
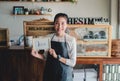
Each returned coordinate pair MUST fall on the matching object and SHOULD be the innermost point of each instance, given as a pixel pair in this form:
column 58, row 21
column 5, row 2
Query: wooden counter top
column 17, row 64
column 16, row 47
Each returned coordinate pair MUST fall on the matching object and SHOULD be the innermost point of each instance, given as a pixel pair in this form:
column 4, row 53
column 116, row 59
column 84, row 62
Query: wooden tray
column 38, row 27
column 35, row 28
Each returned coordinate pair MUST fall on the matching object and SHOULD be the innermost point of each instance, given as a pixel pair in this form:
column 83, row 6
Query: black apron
column 54, row 69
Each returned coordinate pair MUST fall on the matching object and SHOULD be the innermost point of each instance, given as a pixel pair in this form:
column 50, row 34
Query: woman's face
column 60, row 26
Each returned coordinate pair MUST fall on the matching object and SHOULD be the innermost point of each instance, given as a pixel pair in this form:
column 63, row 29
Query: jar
column 29, row 41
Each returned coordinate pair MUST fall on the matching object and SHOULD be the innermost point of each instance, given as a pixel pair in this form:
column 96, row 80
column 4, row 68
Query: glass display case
column 92, row 40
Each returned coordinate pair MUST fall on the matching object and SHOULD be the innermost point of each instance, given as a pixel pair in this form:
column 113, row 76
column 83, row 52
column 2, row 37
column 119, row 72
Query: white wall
column 114, row 18
column 84, row 8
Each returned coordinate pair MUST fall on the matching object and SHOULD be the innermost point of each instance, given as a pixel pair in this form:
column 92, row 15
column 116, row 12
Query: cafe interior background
column 83, row 8
column 105, row 9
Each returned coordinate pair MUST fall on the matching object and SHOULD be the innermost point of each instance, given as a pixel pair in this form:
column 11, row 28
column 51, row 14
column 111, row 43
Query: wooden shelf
column 100, row 61
column 91, row 42
column 33, row 15
column 73, row 26
column 38, row 1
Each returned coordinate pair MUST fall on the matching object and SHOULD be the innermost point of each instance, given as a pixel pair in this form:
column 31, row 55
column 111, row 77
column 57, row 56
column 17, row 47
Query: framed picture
column 42, row 43
column 18, row 10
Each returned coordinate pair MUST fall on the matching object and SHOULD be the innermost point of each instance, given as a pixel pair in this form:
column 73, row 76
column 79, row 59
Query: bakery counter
column 101, row 61
column 17, row 64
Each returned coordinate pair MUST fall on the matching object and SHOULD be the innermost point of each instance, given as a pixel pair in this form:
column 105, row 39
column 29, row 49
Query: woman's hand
column 36, row 54
column 53, row 53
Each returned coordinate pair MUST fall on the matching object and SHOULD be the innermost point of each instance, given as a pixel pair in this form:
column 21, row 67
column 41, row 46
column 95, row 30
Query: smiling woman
column 61, row 57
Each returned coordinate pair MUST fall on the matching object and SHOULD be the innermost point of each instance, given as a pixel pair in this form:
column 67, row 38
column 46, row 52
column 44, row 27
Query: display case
column 4, row 38
column 92, row 40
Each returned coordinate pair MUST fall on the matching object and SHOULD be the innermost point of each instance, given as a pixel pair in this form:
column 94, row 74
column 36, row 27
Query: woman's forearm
column 63, row 60
column 69, row 62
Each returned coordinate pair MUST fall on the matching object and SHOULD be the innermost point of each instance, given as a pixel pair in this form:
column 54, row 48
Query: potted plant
column 74, row 1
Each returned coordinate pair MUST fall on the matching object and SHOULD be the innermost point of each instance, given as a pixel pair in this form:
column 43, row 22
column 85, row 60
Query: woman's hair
column 61, row 15
column 65, row 16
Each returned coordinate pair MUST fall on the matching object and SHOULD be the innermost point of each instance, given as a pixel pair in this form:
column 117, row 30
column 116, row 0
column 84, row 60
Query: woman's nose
column 59, row 26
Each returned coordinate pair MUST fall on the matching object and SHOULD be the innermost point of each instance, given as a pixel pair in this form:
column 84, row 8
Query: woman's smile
column 60, row 26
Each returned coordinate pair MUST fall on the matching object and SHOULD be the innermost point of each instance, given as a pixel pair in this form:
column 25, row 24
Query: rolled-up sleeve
column 72, row 54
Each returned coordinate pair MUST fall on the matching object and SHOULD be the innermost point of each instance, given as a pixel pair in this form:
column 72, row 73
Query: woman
column 61, row 57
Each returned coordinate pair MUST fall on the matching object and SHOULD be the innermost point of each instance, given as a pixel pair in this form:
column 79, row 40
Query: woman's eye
column 63, row 23
column 55, row 23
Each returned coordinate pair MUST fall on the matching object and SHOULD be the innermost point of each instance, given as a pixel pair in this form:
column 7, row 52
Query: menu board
column 42, row 43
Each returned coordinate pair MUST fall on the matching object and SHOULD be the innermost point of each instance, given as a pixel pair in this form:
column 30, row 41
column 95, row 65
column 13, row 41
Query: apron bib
column 54, row 69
